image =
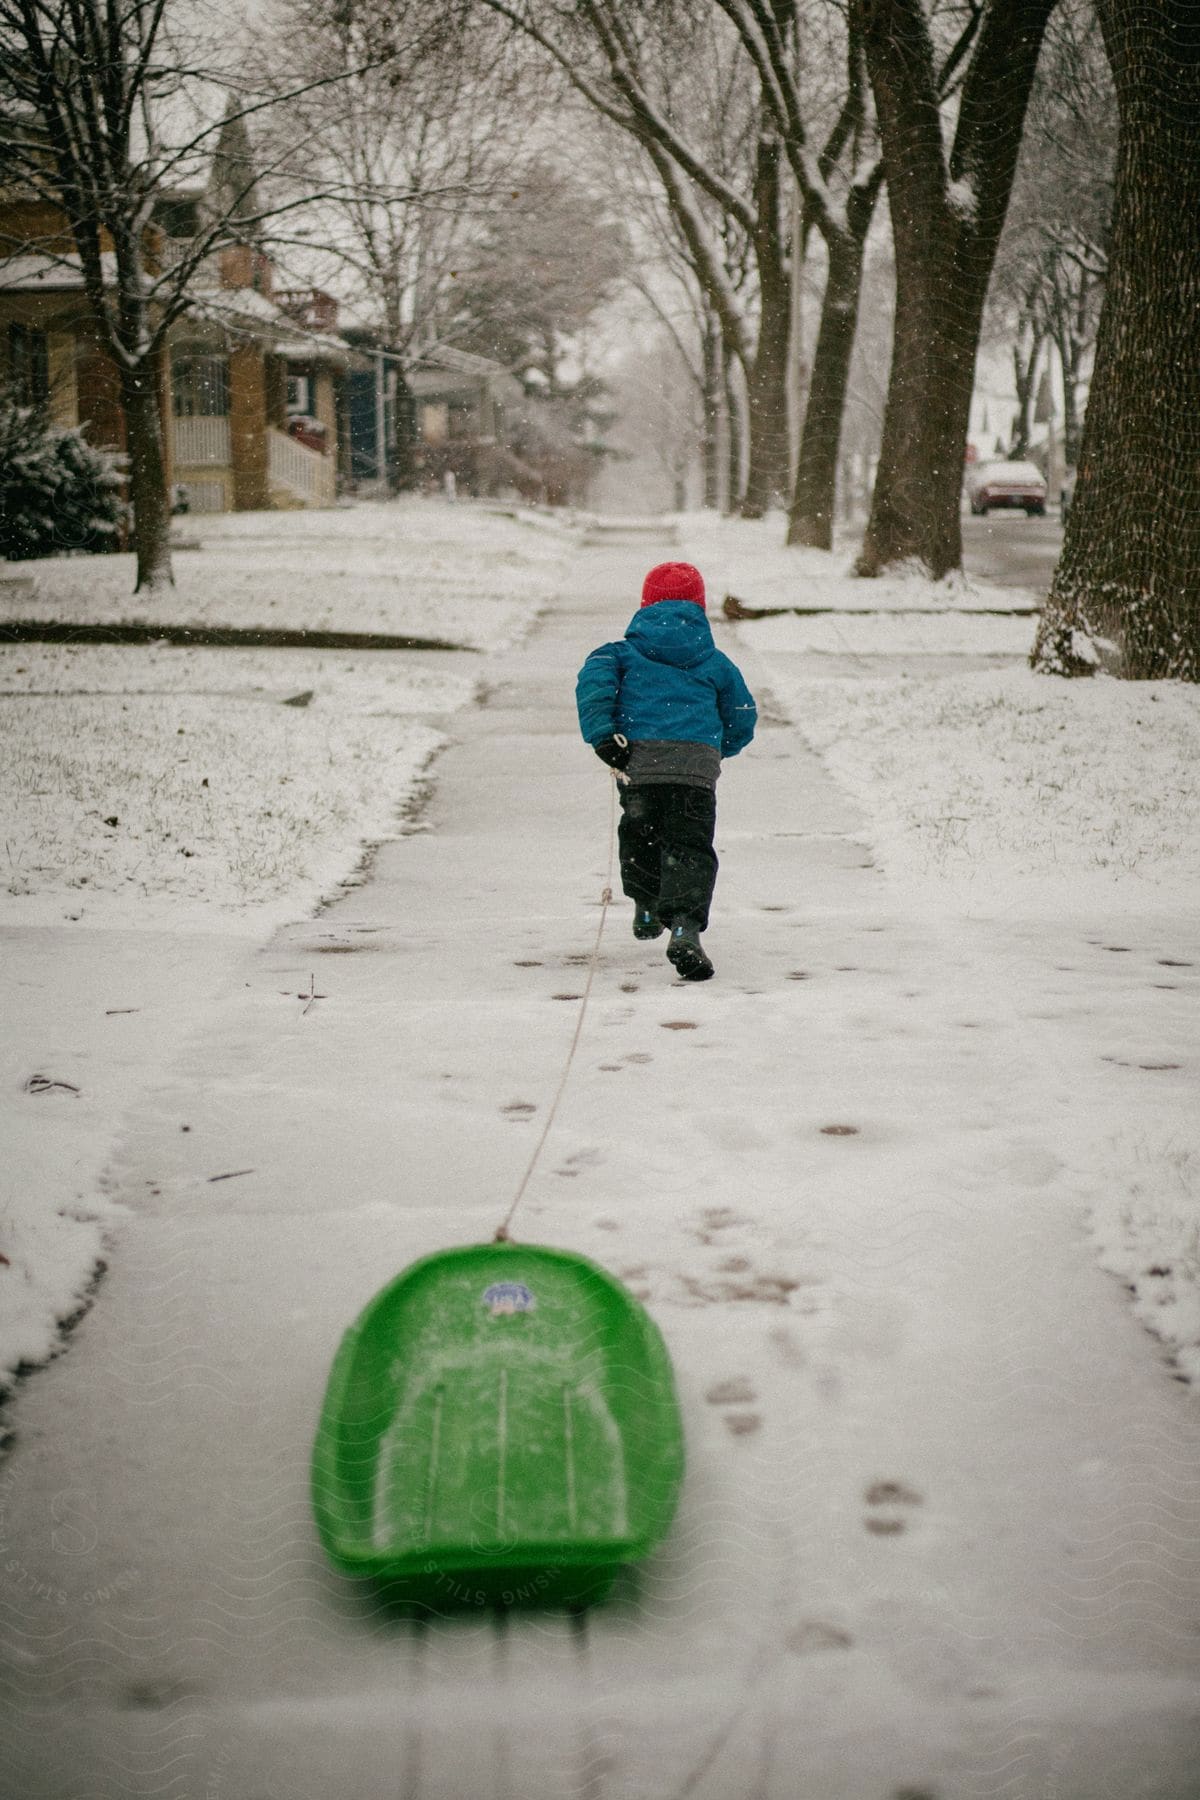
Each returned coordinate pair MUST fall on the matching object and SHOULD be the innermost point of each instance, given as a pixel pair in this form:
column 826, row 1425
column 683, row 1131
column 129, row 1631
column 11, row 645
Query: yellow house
column 250, row 385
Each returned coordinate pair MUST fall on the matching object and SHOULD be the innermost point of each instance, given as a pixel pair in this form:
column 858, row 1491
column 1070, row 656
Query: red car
column 1014, row 484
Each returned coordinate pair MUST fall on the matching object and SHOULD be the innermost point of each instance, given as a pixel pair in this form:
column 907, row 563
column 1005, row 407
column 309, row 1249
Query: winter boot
column 686, row 952
column 647, row 924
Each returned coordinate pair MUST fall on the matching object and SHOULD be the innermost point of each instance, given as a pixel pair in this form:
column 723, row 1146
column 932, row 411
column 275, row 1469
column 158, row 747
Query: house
column 464, row 410
column 472, row 418
column 251, row 381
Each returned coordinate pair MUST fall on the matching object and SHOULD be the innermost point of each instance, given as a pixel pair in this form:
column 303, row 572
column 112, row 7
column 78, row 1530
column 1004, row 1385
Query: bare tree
column 547, row 259
column 107, row 109
column 689, row 339
column 631, row 62
column 948, row 201
column 838, row 182
column 836, row 167
column 1129, row 573
column 1029, row 339
column 1072, row 306
column 1049, row 274
column 398, row 151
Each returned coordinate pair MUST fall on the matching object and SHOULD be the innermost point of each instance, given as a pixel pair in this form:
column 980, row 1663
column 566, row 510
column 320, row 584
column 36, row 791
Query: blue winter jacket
column 666, row 680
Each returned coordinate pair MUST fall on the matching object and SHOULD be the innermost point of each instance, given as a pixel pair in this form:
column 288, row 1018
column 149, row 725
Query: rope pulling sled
column 500, row 1425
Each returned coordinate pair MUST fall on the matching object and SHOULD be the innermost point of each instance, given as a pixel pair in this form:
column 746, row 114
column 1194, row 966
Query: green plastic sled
column 500, row 1428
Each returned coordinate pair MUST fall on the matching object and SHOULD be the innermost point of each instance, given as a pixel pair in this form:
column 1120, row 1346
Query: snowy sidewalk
column 938, row 1530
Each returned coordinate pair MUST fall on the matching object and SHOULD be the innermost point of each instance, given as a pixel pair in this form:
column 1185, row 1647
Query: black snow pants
column 668, row 863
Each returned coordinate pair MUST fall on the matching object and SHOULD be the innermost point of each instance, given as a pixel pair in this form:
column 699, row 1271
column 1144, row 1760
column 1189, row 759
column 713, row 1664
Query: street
column 1011, row 550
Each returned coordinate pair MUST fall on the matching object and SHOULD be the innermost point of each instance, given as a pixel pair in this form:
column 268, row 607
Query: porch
column 204, row 464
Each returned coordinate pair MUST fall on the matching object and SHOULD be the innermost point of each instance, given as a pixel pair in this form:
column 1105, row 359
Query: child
column 662, row 706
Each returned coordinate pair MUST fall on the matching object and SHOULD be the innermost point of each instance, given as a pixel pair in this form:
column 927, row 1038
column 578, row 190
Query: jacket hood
column 671, row 631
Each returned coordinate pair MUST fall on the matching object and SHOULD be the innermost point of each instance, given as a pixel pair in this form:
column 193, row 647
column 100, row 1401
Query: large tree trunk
column 814, row 494
column 946, row 222
column 915, row 505
column 734, row 438
column 1072, row 335
column 147, row 476
column 1026, row 354
column 1130, row 567
column 1071, row 433
column 766, row 383
column 810, row 516
column 710, row 439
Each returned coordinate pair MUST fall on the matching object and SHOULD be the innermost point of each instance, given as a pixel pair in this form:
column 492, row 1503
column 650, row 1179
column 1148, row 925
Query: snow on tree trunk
column 1130, row 567
column 947, row 214
column 147, row 476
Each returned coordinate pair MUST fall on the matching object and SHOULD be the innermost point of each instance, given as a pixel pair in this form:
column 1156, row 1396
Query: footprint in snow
column 736, row 1392
column 720, row 1218
column 890, row 1502
column 812, row 1636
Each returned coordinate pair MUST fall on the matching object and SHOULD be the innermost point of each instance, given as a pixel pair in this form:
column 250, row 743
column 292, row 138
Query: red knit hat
column 673, row 581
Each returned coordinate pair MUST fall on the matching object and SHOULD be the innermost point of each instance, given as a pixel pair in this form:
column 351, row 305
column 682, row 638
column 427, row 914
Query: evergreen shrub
column 57, row 493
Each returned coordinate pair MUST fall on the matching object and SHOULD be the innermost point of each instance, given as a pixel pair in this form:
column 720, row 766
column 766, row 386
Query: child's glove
column 613, row 752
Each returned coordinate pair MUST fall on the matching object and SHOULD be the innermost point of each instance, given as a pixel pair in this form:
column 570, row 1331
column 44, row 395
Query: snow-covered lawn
column 177, row 783
column 996, row 788
column 207, row 793
column 194, row 782
column 749, row 560
column 1006, row 795
column 462, row 574
column 1002, row 794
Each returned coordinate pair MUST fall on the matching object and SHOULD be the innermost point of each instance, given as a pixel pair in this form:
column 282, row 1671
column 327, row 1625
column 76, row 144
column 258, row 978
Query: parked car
column 1066, row 496
column 1014, row 484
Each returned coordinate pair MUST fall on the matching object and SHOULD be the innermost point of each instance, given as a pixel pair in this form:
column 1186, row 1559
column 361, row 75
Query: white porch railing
column 306, row 472
column 201, row 443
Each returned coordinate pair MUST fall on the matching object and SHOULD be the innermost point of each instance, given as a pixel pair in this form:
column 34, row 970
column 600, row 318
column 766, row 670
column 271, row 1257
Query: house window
column 29, row 365
column 298, row 397
column 435, row 422
column 178, row 218
column 199, row 383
